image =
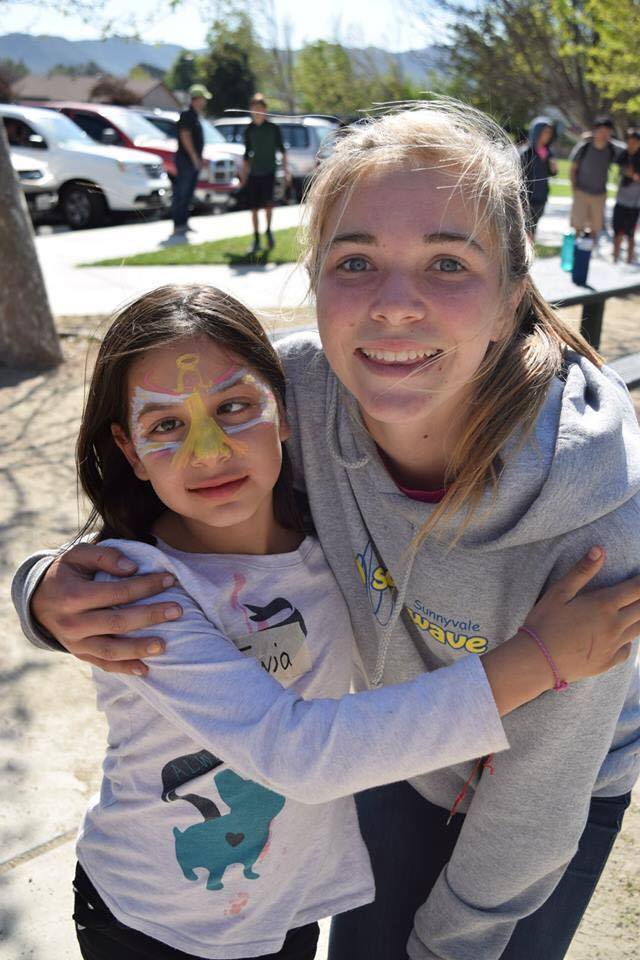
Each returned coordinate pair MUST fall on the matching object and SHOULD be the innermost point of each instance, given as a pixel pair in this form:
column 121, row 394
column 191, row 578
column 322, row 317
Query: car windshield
column 211, row 133
column 324, row 132
column 135, row 126
column 59, row 129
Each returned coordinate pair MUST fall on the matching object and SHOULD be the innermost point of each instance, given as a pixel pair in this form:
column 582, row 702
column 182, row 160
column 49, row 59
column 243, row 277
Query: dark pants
column 409, row 845
column 183, row 189
column 102, row 937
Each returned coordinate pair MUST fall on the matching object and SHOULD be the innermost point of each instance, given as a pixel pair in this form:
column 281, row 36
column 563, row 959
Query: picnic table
column 604, row 280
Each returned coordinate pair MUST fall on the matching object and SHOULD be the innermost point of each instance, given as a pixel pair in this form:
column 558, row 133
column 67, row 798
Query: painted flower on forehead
column 205, row 438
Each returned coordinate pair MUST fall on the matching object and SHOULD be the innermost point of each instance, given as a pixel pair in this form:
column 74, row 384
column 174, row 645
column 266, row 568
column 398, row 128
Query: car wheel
column 82, row 206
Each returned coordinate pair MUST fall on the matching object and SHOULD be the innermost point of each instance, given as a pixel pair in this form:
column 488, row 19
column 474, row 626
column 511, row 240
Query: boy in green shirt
column 262, row 141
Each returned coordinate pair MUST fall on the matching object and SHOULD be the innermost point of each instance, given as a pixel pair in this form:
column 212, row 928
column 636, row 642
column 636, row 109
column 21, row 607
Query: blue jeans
column 409, row 845
column 183, row 189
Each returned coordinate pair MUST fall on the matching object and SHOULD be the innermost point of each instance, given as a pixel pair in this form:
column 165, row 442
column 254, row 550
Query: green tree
column 88, row 69
column 226, row 67
column 512, row 57
column 326, row 81
column 613, row 61
column 184, row 71
column 10, row 72
column 143, row 70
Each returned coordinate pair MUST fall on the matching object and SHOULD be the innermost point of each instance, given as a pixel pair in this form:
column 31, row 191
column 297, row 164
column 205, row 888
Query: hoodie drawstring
column 484, row 763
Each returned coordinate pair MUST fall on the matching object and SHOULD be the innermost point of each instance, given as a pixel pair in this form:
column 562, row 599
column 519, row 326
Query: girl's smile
column 407, row 300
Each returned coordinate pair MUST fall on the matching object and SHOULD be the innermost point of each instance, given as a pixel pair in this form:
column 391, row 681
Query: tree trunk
column 27, row 333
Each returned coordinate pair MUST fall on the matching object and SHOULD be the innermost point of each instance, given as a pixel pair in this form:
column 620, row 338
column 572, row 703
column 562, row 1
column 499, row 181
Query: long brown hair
column 511, row 383
column 122, row 505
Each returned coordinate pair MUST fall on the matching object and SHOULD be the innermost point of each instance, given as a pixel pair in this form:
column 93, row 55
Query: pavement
column 51, row 737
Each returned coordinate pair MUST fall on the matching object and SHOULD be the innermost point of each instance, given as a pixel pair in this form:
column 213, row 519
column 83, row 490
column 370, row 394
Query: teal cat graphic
column 239, row 836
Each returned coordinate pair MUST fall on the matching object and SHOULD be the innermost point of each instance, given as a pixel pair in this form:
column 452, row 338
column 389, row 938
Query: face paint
column 205, row 437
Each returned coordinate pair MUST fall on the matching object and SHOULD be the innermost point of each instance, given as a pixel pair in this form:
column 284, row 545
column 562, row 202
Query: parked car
column 302, row 138
column 37, row 184
column 130, row 128
column 167, row 121
column 91, row 180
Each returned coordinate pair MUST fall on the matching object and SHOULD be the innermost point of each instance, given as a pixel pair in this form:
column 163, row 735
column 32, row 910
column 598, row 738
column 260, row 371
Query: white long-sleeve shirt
column 225, row 817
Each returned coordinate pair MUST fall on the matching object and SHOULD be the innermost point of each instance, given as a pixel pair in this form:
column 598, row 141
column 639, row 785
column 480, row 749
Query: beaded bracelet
column 560, row 684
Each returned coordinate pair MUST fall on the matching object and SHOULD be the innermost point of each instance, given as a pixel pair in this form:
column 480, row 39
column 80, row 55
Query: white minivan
column 90, row 179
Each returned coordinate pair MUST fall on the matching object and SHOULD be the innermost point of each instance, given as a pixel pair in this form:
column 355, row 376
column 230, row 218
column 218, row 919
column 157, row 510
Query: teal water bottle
column 567, row 251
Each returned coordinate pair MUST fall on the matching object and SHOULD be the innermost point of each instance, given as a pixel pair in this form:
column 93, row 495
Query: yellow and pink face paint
column 205, row 437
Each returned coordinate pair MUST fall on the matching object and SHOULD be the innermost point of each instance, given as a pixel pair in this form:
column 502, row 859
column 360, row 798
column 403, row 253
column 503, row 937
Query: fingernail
column 128, row 566
column 138, row 672
column 595, row 553
column 154, row 647
column 168, row 581
column 172, row 613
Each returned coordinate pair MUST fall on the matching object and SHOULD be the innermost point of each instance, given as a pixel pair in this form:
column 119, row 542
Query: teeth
column 402, row 356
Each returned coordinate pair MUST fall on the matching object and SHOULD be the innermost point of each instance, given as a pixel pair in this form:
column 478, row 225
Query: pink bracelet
column 560, row 684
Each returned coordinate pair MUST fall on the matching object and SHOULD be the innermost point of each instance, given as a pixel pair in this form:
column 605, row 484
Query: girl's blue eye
column 448, row 265
column 354, row 265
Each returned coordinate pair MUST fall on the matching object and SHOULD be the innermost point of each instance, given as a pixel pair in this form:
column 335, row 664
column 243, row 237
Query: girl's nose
column 398, row 300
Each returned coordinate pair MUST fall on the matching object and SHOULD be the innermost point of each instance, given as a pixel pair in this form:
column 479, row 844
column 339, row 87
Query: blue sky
column 382, row 23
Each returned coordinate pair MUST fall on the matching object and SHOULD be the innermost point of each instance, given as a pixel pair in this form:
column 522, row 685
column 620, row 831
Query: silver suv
column 302, row 138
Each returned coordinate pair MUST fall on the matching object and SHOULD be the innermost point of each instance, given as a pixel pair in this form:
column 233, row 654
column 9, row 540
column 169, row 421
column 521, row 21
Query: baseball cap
column 199, row 90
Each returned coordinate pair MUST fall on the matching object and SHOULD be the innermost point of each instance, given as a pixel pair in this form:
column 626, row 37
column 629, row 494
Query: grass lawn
column 232, row 251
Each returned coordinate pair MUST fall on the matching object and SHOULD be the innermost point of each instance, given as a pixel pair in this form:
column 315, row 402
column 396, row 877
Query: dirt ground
column 48, row 703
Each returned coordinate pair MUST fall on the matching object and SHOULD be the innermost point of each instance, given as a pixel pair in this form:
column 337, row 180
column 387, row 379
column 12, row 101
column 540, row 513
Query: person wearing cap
column 189, row 156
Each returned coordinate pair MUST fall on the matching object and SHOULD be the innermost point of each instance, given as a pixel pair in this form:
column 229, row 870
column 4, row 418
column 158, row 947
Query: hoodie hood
column 536, row 126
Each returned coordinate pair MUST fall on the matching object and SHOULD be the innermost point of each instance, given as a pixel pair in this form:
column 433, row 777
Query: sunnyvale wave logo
column 378, row 583
column 448, row 631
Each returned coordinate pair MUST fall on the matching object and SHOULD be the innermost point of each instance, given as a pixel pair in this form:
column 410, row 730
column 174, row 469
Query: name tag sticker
column 283, row 651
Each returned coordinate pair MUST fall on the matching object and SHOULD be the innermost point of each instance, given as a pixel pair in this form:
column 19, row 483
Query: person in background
column 627, row 208
column 590, row 161
column 262, row 141
column 189, row 157
column 538, row 164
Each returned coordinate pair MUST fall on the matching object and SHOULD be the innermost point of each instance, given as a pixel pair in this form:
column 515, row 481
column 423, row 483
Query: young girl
column 460, row 448
column 219, row 831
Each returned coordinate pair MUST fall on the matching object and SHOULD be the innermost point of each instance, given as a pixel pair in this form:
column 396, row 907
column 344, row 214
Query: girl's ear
column 124, row 441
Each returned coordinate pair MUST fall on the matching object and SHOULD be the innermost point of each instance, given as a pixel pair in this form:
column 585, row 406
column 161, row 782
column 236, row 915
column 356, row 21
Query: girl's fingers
column 135, row 667
column 579, row 576
column 629, row 617
column 116, row 650
column 107, row 620
column 624, row 594
column 93, row 557
column 622, row 655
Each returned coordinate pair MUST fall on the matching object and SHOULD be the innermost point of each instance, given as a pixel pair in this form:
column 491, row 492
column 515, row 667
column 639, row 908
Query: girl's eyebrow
column 448, row 236
column 367, row 238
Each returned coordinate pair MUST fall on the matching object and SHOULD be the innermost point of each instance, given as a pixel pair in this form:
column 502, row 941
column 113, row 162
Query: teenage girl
column 461, row 448
column 219, row 830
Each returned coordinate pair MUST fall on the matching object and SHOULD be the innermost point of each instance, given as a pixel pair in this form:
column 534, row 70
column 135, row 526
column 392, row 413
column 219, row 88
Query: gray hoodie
column 573, row 484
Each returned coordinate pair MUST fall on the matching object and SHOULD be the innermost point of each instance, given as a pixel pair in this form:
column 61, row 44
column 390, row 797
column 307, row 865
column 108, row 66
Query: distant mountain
column 117, row 55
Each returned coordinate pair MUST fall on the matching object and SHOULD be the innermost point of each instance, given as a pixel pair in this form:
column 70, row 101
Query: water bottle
column 566, row 254
column 581, row 258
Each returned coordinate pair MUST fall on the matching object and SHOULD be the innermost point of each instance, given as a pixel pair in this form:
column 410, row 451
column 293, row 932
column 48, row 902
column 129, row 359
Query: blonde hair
column 510, row 385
